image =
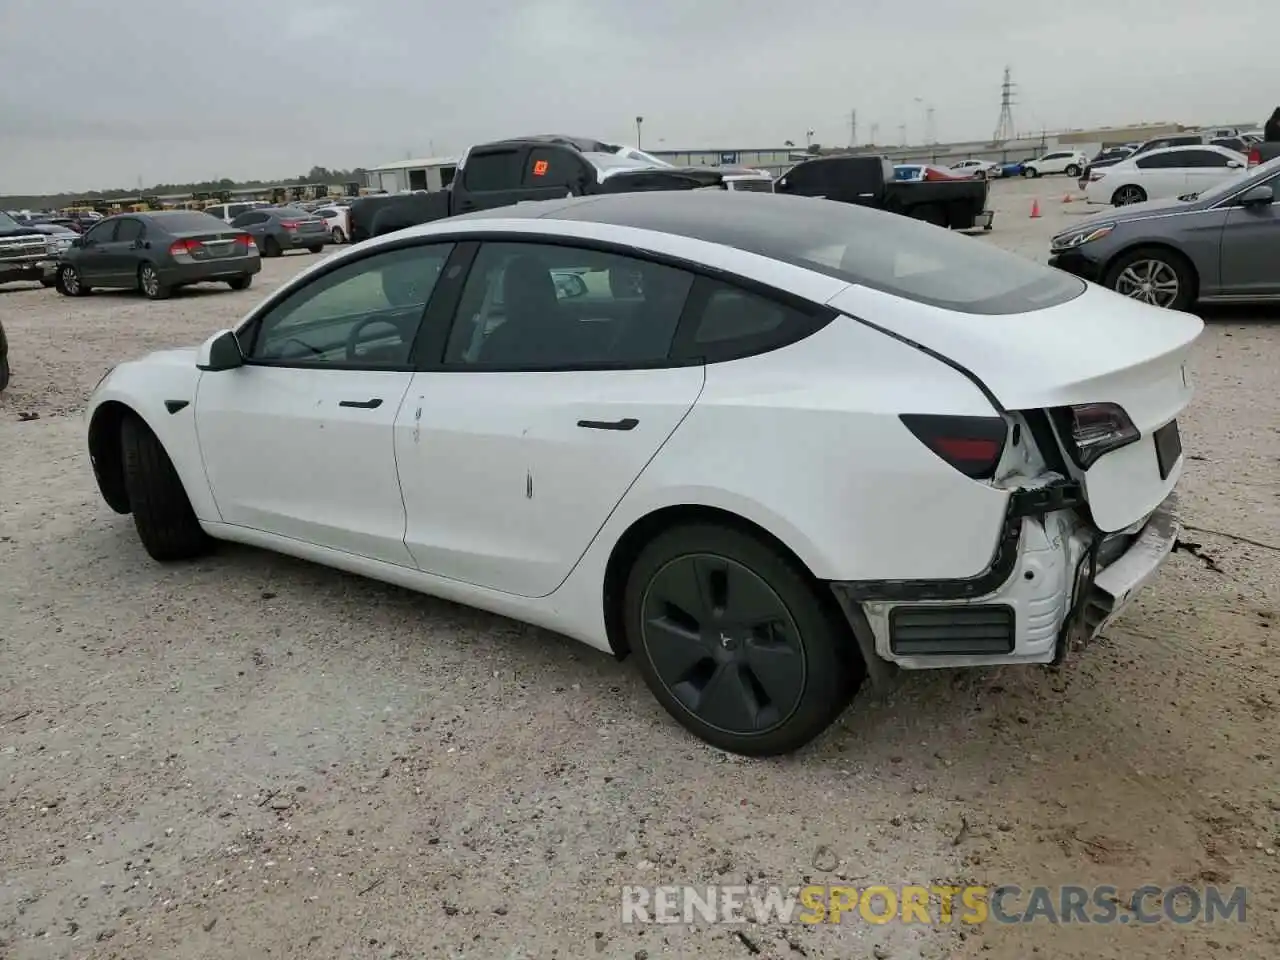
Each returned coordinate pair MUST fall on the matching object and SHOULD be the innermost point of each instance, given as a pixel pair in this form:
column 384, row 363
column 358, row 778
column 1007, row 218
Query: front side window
column 530, row 306
column 364, row 314
column 129, row 230
column 101, row 233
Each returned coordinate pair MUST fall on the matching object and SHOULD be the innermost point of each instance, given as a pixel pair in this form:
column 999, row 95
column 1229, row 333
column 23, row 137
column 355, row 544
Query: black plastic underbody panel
column 954, row 630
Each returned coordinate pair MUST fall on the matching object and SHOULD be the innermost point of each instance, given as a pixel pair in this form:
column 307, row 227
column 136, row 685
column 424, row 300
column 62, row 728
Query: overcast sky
column 180, row 90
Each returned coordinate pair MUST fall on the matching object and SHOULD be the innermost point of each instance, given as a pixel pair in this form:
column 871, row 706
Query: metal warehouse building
column 431, row 173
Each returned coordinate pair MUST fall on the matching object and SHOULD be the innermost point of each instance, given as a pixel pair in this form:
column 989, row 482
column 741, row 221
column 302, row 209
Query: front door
column 120, row 257
column 554, row 397
column 299, row 441
column 1251, row 249
column 92, row 259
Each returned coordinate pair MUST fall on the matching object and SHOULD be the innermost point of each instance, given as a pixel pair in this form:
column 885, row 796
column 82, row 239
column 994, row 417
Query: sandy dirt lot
column 249, row 756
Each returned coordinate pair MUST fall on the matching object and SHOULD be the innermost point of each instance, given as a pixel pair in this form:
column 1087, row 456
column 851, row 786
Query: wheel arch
column 642, row 531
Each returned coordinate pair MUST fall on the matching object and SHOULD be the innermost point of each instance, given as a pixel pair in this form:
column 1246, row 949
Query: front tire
column 735, row 642
column 1154, row 275
column 68, row 282
column 162, row 514
column 150, row 285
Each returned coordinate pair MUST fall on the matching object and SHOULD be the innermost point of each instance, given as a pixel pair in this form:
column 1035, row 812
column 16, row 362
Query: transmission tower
column 1004, row 128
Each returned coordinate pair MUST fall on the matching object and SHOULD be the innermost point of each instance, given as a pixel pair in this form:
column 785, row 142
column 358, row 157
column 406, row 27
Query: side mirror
column 1235, row 163
column 1259, row 196
column 220, row 352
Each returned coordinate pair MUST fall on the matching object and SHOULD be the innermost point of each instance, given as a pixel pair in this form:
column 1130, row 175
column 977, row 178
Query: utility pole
column 853, row 128
column 875, row 133
column 929, row 132
column 639, row 124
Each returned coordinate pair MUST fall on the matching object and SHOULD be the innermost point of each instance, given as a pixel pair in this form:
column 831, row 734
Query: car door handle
column 373, row 404
column 626, row 423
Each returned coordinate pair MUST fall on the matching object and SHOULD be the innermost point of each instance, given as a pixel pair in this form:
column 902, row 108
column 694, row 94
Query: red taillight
column 1255, row 155
column 246, row 241
column 289, row 224
column 973, row 445
column 1090, row 430
column 184, row 248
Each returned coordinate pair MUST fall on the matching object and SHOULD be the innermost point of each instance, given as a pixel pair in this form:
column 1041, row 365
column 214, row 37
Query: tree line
column 58, row 200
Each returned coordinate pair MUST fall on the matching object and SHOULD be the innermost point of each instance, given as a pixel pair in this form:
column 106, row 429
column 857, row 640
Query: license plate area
column 1168, row 448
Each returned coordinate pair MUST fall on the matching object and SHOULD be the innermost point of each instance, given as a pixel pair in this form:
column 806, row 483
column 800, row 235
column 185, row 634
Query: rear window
column 885, row 251
column 183, row 222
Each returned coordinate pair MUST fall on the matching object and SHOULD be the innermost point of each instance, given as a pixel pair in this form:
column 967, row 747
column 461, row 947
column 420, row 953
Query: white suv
column 226, row 212
column 1070, row 162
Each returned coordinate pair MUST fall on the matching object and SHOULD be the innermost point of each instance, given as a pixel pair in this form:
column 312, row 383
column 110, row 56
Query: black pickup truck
column 868, row 181
column 540, row 168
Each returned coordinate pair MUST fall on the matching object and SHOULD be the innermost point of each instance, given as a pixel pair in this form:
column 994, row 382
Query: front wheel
column 1073, row 170
column 1154, row 275
column 150, row 285
column 735, row 641
column 162, row 514
column 68, row 282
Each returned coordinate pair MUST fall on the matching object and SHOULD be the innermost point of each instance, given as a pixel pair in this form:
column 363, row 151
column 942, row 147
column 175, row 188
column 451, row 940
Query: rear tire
column 1030, row 172
column 314, row 249
column 162, row 514
column 271, row 247
column 1129, row 193
column 1073, row 170
column 150, row 285
column 48, row 282
column 338, row 235
column 240, row 283
column 763, row 665
column 4, row 373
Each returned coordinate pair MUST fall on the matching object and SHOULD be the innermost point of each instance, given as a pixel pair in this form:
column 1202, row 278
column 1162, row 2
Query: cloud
column 249, row 88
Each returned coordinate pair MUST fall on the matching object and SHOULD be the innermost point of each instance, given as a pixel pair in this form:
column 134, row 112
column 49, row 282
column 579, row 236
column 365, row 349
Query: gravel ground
column 251, row 756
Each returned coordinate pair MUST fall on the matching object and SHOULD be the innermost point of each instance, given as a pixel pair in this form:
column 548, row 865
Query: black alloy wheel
column 735, row 643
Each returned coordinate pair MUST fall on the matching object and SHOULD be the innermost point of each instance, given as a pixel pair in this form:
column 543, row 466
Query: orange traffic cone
column 1066, row 198
column 1035, row 209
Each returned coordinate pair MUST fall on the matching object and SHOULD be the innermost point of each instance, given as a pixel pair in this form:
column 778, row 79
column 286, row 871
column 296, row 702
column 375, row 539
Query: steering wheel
column 353, row 338
column 306, row 346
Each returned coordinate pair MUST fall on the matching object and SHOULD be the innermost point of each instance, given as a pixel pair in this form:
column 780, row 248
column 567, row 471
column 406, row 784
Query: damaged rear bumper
column 1053, row 584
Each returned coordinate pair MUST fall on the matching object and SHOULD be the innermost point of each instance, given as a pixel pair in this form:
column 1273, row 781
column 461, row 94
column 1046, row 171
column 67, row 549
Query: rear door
column 491, row 177
column 1163, row 175
column 546, row 410
column 1208, row 168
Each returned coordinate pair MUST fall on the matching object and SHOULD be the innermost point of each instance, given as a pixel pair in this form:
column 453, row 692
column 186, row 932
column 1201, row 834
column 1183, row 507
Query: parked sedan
column 1163, row 174
column 280, row 229
column 1221, row 245
column 959, row 457
column 337, row 218
column 157, row 253
column 979, row 168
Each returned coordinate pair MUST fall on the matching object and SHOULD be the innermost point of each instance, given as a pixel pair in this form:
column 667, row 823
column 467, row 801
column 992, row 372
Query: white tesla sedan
column 771, row 445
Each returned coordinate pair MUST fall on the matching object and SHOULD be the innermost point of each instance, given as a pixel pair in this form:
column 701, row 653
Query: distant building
column 773, row 159
column 431, row 173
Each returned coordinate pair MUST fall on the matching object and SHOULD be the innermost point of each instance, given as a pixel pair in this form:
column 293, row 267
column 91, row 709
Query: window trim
column 686, row 356
column 251, row 327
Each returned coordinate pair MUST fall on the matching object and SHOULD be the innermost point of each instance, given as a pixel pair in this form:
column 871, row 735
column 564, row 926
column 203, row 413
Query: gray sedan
column 1218, row 246
column 281, row 229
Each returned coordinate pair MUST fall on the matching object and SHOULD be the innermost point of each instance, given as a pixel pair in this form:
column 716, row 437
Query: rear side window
column 725, row 322
column 499, row 170
column 1204, row 158
column 546, row 167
